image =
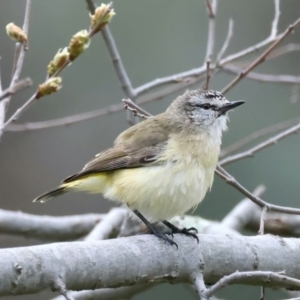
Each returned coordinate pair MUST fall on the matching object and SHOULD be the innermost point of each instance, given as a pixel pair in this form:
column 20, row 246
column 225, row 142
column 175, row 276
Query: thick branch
column 121, row 262
column 46, row 227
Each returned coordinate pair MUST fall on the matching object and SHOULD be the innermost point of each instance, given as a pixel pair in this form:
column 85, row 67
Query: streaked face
column 208, row 108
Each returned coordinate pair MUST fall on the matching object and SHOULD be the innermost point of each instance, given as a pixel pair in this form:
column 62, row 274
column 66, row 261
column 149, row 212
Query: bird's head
column 203, row 109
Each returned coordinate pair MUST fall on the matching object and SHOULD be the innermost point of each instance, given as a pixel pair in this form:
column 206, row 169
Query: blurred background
column 155, row 39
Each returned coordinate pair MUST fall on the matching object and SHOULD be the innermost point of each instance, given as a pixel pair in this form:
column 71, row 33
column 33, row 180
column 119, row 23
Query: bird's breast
column 162, row 191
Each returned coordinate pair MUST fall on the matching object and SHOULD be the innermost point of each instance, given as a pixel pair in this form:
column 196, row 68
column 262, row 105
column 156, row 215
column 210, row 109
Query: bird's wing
column 136, row 147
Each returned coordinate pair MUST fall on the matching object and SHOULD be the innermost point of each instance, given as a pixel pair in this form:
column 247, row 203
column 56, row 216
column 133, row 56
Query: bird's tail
column 51, row 194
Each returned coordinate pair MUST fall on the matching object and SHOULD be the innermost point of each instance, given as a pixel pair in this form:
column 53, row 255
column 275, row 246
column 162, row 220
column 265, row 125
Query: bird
column 162, row 166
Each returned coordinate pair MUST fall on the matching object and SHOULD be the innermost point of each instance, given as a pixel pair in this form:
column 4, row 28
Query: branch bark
column 49, row 228
column 122, row 262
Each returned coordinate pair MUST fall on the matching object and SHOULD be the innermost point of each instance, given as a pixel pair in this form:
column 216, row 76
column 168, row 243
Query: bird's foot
column 185, row 231
column 153, row 230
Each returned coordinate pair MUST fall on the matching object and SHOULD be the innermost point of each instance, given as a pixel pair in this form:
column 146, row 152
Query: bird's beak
column 229, row 106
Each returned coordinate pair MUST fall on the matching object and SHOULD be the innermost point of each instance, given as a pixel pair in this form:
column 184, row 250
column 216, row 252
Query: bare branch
column 257, row 134
column 261, row 230
column 269, row 142
column 20, row 110
column 115, row 56
column 20, row 49
column 211, row 35
column 239, row 216
column 274, row 28
column 50, row 228
column 58, row 285
column 284, row 50
column 155, row 96
column 226, row 42
column 17, row 67
column 111, row 221
column 210, row 9
column 94, row 260
column 137, row 110
column 176, row 78
column 118, row 64
column 207, row 75
column 261, row 44
column 200, row 287
column 247, row 215
column 110, row 294
column 271, row 207
column 18, row 86
column 244, row 277
column 261, row 58
column 281, row 78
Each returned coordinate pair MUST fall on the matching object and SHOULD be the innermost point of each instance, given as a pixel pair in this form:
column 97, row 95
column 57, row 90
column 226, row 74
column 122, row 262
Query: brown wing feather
column 136, row 147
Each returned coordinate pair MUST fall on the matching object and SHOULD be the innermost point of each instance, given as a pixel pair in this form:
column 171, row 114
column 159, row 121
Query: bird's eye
column 206, row 106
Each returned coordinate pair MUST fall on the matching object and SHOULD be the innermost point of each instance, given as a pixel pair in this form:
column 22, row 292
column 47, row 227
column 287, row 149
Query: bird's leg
column 154, row 230
column 185, row 231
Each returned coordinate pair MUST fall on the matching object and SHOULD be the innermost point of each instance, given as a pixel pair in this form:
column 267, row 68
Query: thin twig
column 211, row 34
column 201, row 70
column 210, row 9
column 271, row 207
column 69, row 120
column 21, row 56
column 259, row 45
column 126, row 292
column 257, row 134
column 117, row 62
column 283, row 50
column 244, row 277
column 20, row 110
column 281, row 78
column 115, row 56
column 226, row 42
column 17, row 67
column 18, row 86
column 176, row 78
column 135, row 109
column 261, row 230
column 269, row 142
column 59, row 285
column 200, row 287
column 274, row 27
column 207, row 75
column 261, row 58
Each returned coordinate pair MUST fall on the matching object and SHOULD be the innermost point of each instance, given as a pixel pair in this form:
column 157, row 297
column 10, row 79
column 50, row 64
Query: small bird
column 162, row 166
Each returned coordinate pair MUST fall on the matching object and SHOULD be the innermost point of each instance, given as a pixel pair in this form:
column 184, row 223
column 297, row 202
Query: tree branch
column 240, row 215
column 121, row 262
column 246, row 215
column 47, row 227
column 271, row 207
column 261, row 58
column 211, row 34
column 66, row 121
column 18, row 86
column 245, row 277
column 257, row 134
column 281, row 78
column 269, row 142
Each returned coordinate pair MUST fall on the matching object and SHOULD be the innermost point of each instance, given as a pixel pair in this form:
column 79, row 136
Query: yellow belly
column 160, row 192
